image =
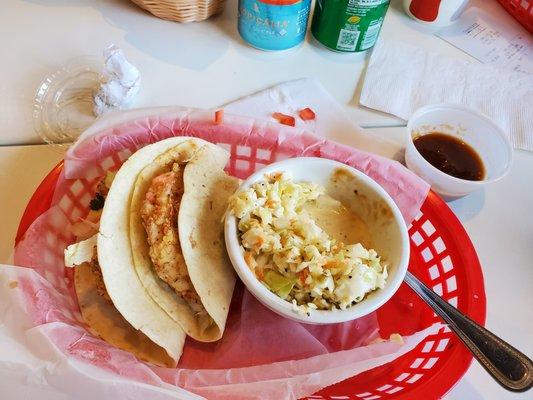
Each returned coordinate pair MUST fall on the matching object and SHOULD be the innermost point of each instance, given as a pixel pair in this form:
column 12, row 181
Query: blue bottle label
column 273, row 24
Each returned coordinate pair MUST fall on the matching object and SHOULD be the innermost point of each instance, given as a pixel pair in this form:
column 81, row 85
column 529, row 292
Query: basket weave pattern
column 182, row 10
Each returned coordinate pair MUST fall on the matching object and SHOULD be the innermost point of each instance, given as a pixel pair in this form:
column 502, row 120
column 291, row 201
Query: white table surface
column 205, row 65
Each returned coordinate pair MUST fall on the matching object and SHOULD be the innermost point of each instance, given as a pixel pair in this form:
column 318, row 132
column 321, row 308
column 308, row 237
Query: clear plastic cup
column 63, row 105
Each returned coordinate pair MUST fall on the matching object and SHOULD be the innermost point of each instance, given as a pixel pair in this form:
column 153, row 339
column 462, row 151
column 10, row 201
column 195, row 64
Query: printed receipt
column 493, row 38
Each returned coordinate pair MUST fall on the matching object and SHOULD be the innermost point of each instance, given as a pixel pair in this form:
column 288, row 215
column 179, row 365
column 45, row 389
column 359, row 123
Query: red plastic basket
column 522, row 10
column 442, row 255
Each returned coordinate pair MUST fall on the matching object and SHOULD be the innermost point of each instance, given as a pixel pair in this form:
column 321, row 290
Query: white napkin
column 401, row 78
column 120, row 82
column 330, row 122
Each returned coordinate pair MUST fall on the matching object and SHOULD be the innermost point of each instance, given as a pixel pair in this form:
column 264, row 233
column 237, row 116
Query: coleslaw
column 293, row 256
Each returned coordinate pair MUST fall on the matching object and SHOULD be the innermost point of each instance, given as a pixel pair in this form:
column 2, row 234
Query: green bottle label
column 348, row 25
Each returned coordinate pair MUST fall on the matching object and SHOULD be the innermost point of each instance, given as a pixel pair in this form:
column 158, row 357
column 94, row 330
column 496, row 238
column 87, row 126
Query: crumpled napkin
column 401, row 78
column 120, row 82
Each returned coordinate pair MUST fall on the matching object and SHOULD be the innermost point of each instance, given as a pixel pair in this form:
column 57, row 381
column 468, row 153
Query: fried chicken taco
column 158, row 260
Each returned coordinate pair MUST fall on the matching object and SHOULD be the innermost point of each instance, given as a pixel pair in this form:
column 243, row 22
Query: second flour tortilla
column 221, row 186
column 201, row 230
column 104, row 321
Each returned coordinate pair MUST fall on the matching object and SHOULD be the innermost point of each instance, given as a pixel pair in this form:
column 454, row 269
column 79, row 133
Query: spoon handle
column 508, row 366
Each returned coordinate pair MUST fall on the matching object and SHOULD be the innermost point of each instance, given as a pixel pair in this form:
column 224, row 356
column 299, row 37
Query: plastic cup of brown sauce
column 456, row 149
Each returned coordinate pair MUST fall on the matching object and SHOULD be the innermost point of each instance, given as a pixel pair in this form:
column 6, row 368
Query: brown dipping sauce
column 451, row 156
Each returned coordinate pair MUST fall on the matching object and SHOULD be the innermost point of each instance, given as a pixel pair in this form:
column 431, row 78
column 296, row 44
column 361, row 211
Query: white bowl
column 472, row 127
column 388, row 231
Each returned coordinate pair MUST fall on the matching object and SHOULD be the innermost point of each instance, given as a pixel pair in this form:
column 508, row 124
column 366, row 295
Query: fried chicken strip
column 159, row 214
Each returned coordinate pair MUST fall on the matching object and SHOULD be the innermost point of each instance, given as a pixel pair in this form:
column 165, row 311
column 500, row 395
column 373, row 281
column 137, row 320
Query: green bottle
column 348, row 25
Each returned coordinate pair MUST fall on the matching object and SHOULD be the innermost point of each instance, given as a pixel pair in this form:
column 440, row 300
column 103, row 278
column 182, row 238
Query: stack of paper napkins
column 401, row 78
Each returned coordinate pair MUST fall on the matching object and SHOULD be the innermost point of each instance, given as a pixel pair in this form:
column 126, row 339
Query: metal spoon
column 508, row 366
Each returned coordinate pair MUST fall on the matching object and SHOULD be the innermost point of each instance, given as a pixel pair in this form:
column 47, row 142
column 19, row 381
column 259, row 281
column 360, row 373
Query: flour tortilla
column 101, row 317
column 200, row 327
column 104, row 321
column 201, row 231
column 116, row 259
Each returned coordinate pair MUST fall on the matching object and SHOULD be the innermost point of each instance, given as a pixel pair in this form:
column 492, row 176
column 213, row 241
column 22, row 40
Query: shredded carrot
column 330, row 264
column 249, row 259
column 306, row 114
column 302, row 275
column 276, row 176
column 337, row 247
column 260, row 241
column 284, row 119
column 219, row 117
column 271, row 203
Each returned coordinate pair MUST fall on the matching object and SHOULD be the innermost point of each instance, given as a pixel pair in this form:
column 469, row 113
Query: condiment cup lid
column 63, row 105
